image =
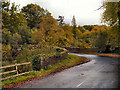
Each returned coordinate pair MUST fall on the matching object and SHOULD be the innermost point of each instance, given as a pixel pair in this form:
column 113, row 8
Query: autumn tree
column 48, row 32
column 89, row 27
column 82, row 29
column 68, row 34
column 98, row 38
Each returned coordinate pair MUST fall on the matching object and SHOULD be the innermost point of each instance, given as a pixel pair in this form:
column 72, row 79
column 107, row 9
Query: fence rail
column 16, row 67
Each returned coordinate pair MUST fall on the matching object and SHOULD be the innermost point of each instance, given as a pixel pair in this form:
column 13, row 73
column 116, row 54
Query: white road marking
column 80, row 84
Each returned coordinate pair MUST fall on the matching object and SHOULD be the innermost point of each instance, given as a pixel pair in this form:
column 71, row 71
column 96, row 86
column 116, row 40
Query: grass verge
column 110, row 55
column 107, row 54
column 69, row 61
column 102, row 54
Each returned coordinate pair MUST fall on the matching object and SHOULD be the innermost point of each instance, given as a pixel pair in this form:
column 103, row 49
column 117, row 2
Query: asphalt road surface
column 100, row 72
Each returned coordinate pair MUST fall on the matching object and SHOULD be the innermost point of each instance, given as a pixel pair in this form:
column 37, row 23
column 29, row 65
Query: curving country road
column 100, row 72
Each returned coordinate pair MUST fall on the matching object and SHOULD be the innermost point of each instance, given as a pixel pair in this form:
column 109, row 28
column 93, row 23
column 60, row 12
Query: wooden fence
column 16, row 70
column 44, row 62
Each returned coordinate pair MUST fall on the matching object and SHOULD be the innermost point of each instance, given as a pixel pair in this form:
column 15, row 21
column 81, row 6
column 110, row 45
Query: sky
column 85, row 11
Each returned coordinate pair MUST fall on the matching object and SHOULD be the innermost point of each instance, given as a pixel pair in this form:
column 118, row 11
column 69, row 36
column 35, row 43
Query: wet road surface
column 100, row 72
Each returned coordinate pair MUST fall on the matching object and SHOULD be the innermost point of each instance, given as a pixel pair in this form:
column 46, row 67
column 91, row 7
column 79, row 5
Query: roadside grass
column 106, row 54
column 103, row 54
column 69, row 61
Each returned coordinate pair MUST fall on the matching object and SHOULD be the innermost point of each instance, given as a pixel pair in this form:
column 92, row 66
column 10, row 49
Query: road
column 100, row 72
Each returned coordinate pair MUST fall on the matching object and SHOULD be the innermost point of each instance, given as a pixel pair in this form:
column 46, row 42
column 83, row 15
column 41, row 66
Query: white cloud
column 84, row 10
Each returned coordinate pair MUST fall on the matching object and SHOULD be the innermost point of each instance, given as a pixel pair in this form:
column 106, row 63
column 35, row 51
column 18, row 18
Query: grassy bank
column 107, row 54
column 101, row 54
column 104, row 54
column 69, row 61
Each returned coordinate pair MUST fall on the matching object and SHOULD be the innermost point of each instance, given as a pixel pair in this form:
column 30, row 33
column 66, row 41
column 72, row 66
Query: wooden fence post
column 16, row 68
column 42, row 62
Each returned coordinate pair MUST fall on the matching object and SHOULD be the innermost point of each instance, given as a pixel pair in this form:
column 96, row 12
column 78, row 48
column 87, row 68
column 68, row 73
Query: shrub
column 59, row 50
column 36, row 63
column 58, row 55
column 48, row 67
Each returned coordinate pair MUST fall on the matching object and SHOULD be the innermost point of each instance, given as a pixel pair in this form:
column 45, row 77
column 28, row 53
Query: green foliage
column 12, row 19
column 16, row 39
column 111, row 12
column 33, row 13
column 5, row 6
column 111, row 16
column 25, row 33
column 15, row 31
column 36, row 63
column 74, row 22
column 48, row 67
column 74, row 31
column 24, row 53
column 58, row 55
column 114, row 39
column 6, row 36
column 7, row 53
column 100, row 41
